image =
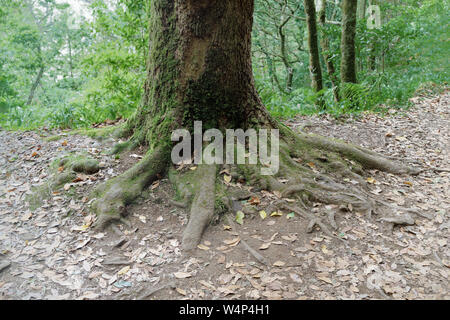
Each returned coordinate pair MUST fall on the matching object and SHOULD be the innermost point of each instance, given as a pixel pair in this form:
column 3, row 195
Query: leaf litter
column 51, row 252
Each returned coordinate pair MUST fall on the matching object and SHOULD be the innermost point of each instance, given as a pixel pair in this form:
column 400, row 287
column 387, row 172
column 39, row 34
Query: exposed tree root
column 313, row 220
column 259, row 257
column 367, row 158
column 331, row 220
column 202, row 208
column 405, row 219
column 114, row 195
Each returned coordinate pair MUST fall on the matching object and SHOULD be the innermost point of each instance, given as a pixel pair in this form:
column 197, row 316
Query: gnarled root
column 115, row 194
column 202, row 209
column 316, row 181
column 367, row 158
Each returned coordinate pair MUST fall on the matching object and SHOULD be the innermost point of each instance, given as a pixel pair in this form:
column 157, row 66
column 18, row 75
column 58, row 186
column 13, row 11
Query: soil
column 53, row 253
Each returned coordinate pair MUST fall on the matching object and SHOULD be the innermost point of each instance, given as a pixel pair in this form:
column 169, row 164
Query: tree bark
column 35, row 85
column 371, row 59
column 199, row 70
column 326, row 51
column 284, row 56
column 70, row 54
column 314, row 58
column 362, row 9
column 348, row 65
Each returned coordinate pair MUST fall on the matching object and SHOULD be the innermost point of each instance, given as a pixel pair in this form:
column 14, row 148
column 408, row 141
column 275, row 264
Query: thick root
column 403, row 220
column 367, row 158
column 114, row 195
column 317, row 184
column 202, row 209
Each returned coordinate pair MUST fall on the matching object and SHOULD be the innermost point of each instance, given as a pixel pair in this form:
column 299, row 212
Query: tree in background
column 42, row 56
column 348, row 62
column 326, row 50
column 314, row 56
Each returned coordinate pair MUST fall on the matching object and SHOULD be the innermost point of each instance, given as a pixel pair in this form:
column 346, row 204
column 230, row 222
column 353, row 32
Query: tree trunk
column 284, row 55
column 35, row 85
column 348, row 65
column 314, row 58
column 362, row 9
column 200, row 65
column 371, row 59
column 70, row 54
column 326, row 51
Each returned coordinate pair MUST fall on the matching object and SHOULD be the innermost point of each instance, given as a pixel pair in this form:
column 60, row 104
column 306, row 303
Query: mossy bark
column 199, row 65
column 327, row 57
column 348, row 57
column 314, row 56
column 113, row 196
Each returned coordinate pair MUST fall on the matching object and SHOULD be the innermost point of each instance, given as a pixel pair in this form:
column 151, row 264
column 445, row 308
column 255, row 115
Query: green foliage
column 410, row 49
column 115, row 65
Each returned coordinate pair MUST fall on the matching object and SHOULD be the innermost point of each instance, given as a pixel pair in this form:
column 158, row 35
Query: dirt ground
column 52, row 253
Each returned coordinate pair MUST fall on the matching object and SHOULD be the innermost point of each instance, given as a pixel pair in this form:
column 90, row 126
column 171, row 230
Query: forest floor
column 51, row 253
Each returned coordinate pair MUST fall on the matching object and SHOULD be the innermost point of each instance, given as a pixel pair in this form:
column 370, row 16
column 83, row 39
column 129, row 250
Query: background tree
column 348, row 62
column 314, row 56
column 326, row 50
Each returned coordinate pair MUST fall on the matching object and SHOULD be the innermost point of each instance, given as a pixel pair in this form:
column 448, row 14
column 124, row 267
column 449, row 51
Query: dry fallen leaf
column 181, row 291
column 26, row 216
column 203, row 247
column 325, row 279
column 371, row 180
column 263, row 214
column 277, row 194
column 123, row 270
column 155, row 184
column 279, row 264
column 254, row 201
column 227, row 178
column 182, row 275
column 276, row 214
column 311, row 165
column 207, row 285
column 232, row 242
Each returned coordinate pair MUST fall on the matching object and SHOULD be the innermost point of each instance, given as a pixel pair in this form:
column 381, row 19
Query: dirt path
column 51, row 253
